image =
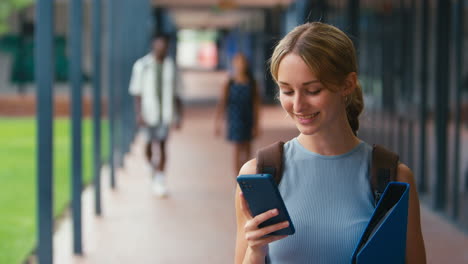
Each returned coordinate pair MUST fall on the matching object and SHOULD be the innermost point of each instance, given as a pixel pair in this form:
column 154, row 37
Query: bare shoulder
column 404, row 174
column 227, row 80
column 415, row 249
column 226, row 84
column 250, row 167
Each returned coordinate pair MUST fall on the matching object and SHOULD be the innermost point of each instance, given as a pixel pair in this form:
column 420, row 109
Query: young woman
column 325, row 182
column 240, row 103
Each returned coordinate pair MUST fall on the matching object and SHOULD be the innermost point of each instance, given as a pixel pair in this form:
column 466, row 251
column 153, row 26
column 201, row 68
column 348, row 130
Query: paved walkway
column 196, row 224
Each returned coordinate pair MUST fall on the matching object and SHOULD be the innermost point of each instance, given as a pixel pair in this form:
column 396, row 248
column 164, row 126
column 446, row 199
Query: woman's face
column 239, row 64
column 313, row 107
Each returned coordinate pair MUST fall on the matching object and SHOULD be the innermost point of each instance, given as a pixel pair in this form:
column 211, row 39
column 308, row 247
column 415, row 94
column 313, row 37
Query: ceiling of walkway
column 218, row 13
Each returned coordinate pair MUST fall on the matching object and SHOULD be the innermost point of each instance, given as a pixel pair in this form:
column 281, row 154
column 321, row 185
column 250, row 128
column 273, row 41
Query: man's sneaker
column 159, row 186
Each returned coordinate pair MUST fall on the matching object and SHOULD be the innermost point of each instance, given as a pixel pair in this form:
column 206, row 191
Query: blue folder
column 384, row 239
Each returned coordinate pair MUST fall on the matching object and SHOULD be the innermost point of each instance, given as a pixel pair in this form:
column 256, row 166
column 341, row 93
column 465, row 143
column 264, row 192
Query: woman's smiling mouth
column 306, row 119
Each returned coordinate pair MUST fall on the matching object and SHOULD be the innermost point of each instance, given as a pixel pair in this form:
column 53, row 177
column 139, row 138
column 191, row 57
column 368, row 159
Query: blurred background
column 74, row 180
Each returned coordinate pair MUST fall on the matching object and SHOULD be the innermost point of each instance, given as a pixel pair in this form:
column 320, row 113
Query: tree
column 7, row 8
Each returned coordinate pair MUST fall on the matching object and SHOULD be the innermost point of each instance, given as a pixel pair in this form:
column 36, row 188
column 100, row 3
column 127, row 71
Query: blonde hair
column 330, row 54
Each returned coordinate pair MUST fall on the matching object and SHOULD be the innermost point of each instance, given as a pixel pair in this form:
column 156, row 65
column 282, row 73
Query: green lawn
column 18, row 180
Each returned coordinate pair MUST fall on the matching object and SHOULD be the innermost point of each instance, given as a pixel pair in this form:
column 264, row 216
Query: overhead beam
column 207, row 18
column 222, row 4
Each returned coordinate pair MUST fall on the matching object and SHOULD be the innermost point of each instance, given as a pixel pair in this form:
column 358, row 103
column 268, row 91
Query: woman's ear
column 350, row 84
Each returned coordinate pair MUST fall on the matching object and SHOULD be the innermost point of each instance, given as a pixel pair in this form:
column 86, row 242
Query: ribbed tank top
column 329, row 200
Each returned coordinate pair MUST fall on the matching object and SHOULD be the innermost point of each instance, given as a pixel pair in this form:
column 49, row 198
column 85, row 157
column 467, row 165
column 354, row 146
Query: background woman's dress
column 240, row 112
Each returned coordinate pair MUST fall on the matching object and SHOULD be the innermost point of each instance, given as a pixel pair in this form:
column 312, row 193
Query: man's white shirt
column 143, row 83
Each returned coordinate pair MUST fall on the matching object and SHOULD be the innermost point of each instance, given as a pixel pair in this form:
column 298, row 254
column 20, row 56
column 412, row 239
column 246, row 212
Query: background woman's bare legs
column 242, row 153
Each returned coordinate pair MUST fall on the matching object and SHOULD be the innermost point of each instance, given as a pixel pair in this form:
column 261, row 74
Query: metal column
column 44, row 78
column 422, row 186
column 272, row 31
column 353, row 21
column 76, row 21
column 318, row 11
column 402, row 71
column 388, row 83
column 127, row 40
column 97, row 104
column 411, row 121
column 441, row 111
column 117, row 73
column 111, row 88
column 459, row 20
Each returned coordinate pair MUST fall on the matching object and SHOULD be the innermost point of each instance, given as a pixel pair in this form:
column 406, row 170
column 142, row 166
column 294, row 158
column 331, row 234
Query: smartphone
column 262, row 194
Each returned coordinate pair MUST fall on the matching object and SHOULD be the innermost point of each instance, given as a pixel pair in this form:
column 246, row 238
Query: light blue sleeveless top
column 329, row 200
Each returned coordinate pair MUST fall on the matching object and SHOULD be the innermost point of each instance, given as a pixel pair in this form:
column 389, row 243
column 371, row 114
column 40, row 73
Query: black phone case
column 262, row 194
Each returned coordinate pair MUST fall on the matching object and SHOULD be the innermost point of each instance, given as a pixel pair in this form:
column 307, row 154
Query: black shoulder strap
column 383, row 170
column 270, row 160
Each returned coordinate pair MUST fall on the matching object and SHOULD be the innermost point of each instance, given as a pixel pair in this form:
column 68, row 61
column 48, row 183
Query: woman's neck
column 332, row 142
column 242, row 78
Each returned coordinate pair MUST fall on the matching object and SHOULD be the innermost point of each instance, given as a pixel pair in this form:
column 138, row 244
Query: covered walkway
column 196, row 224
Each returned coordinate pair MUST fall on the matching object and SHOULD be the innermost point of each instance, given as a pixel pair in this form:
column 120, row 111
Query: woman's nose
column 298, row 106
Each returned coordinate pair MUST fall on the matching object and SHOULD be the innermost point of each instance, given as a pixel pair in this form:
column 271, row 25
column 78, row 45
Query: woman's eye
column 315, row 92
column 287, row 92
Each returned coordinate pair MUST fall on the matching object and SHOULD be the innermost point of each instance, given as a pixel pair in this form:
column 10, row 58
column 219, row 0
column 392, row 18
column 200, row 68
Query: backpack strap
column 383, row 170
column 270, row 160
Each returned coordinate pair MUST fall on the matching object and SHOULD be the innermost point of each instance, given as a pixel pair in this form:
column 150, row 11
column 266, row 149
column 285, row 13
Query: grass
column 18, row 180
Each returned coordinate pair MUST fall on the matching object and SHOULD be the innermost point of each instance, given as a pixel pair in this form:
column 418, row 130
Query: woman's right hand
column 256, row 240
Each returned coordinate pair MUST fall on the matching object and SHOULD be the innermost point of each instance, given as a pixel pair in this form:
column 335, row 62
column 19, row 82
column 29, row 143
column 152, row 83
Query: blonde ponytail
column 354, row 107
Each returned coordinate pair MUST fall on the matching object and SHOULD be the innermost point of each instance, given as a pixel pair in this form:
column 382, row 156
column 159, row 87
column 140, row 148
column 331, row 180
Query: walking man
column 158, row 105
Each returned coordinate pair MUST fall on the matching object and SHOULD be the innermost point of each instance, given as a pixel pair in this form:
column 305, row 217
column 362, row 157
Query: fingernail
column 274, row 211
column 286, row 224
